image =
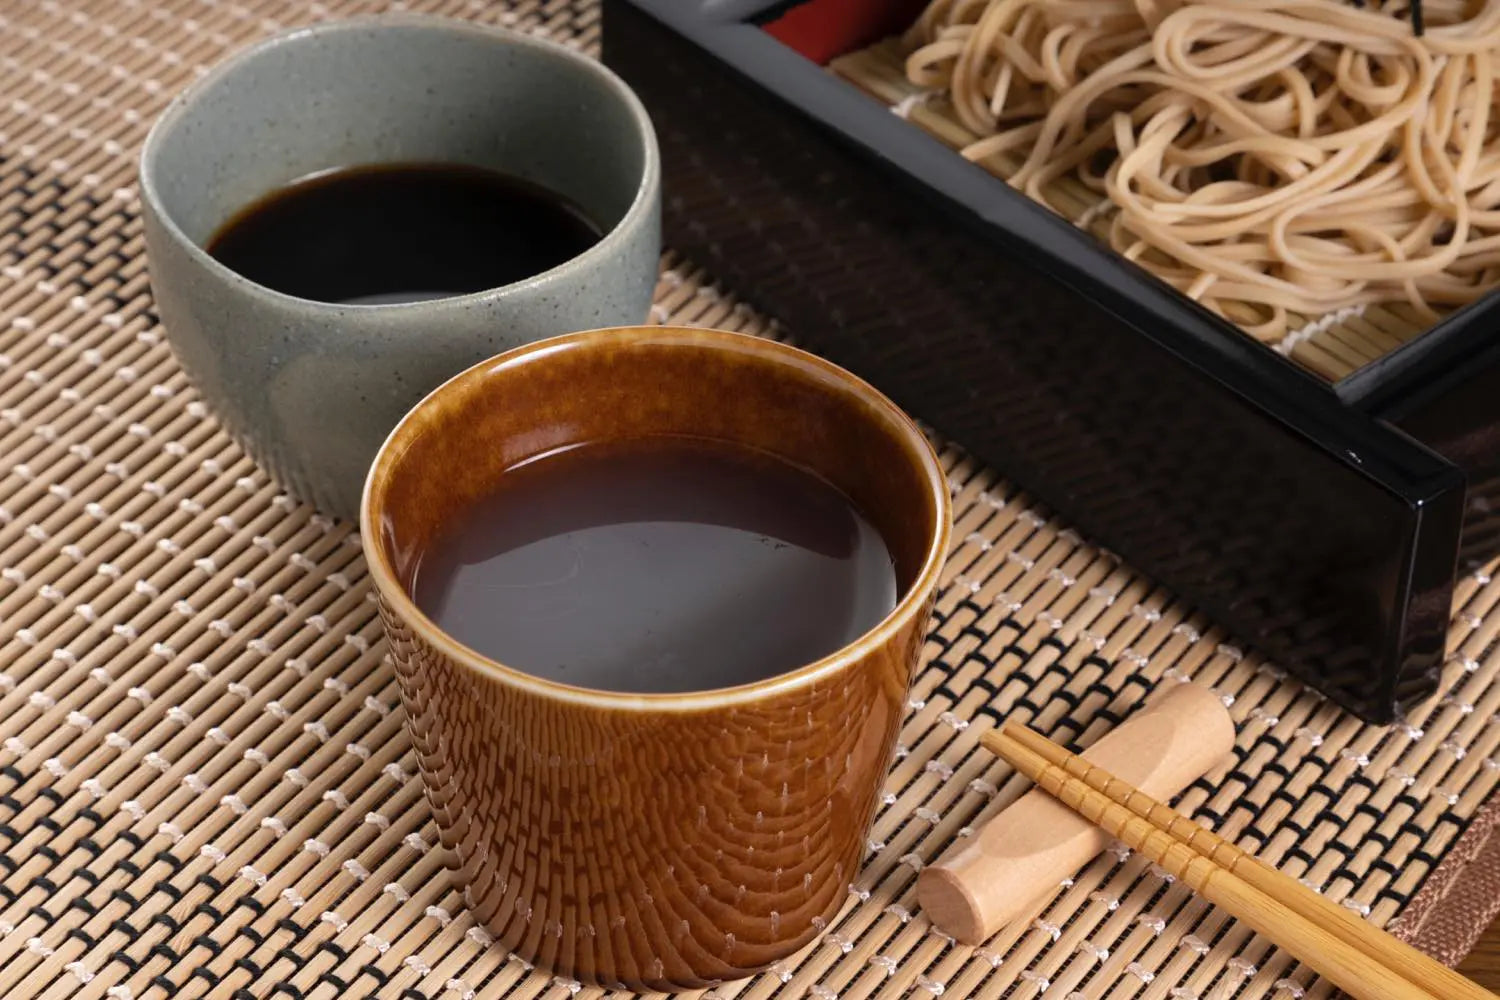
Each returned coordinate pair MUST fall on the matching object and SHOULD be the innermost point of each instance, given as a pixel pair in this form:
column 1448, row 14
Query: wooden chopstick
column 1360, row 959
column 1401, row 957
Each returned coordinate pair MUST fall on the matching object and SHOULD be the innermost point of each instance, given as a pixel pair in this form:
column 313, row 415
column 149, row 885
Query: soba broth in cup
column 662, row 563
column 708, row 562
column 402, row 232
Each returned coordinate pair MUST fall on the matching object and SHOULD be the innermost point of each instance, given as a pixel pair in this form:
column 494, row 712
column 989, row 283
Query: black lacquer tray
column 1320, row 522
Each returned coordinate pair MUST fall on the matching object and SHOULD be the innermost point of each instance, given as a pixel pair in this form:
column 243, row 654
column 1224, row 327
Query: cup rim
column 640, row 205
column 913, row 600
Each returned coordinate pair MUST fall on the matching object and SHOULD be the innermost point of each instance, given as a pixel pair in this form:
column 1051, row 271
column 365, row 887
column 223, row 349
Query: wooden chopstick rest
column 1025, row 852
column 1366, row 966
column 1399, row 958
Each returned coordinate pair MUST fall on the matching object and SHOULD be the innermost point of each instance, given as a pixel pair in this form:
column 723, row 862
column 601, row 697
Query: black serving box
column 1319, row 522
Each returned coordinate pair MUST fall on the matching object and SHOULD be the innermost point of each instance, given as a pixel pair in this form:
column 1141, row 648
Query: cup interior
column 397, row 90
column 452, row 449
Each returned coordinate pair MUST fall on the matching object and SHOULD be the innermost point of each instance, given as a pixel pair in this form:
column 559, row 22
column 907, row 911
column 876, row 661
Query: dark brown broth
column 662, row 564
column 401, row 233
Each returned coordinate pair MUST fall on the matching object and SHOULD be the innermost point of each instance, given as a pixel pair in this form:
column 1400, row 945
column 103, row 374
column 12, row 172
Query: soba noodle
column 1266, row 157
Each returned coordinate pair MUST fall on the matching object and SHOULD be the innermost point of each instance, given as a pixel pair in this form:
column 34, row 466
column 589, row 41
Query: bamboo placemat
column 1331, row 346
column 205, row 788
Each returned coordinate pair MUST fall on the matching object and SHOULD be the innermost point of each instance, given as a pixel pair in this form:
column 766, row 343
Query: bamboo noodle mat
column 205, row 787
column 1329, row 346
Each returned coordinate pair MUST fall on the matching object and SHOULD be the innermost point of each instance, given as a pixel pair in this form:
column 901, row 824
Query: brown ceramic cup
column 653, row 840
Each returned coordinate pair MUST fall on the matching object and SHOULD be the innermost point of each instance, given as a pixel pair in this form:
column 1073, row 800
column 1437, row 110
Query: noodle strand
column 1269, row 158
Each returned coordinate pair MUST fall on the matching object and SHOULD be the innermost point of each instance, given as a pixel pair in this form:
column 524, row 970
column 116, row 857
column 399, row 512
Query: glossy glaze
column 654, row 840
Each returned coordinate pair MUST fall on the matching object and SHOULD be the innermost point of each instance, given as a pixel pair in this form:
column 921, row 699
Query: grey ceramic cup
column 311, row 389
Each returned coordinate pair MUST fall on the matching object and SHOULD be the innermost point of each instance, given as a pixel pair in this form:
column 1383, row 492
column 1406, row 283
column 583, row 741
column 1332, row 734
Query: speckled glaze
column 310, row 389
column 670, row 840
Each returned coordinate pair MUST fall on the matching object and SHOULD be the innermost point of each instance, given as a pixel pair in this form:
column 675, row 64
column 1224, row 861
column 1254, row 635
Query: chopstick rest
column 1359, row 958
column 1025, row 852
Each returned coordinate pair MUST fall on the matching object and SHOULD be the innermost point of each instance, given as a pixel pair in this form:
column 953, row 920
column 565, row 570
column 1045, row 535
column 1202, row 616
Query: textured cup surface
column 308, row 388
column 654, row 840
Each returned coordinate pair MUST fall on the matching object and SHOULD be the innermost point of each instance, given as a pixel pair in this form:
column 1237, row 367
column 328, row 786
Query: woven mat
column 205, row 787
